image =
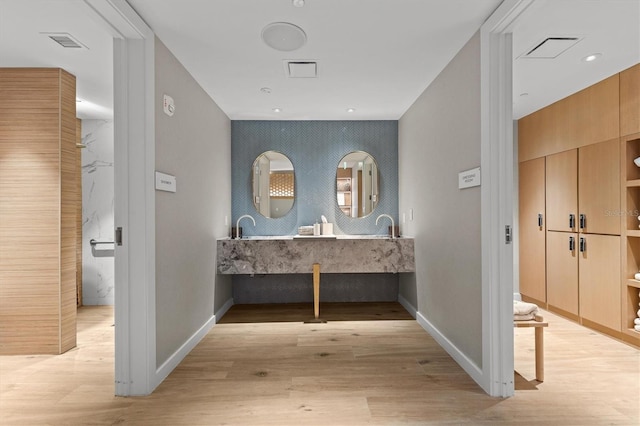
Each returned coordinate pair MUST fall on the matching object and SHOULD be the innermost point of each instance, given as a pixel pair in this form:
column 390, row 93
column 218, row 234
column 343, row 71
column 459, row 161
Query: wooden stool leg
column 316, row 290
column 539, row 343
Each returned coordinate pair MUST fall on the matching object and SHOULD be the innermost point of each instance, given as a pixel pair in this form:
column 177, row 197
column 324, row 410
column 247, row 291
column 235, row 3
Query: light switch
column 411, row 214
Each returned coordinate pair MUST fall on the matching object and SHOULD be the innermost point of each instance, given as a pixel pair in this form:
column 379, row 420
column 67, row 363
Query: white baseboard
column 167, row 367
column 408, row 306
column 467, row 365
column 223, row 310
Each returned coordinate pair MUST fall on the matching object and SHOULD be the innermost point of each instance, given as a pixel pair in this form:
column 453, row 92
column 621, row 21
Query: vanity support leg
column 316, row 290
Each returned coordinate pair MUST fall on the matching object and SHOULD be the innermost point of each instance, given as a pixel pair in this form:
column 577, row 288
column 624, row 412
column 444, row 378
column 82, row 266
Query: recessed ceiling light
column 524, row 94
column 265, row 90
column 592, row 57
column 284, row 36
column 277, row 110
column 351, row 109
column 298, row 3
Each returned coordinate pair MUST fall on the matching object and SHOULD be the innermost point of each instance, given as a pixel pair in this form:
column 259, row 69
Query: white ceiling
column 376, row 56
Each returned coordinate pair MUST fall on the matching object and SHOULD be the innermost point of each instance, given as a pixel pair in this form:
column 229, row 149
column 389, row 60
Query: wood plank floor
column 387, row 372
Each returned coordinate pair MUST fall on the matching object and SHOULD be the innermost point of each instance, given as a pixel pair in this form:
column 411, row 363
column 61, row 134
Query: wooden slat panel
column 68, row 210
column 630, row 101
column 29, row 211
column 78, row 213
column 37, row 106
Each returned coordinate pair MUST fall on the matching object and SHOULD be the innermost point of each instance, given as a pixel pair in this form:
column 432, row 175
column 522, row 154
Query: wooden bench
column 539, row 325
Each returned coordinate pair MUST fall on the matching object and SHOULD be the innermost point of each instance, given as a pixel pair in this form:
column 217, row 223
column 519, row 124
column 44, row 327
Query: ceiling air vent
column 301, row 69
column 550, row 47
column 66, row 40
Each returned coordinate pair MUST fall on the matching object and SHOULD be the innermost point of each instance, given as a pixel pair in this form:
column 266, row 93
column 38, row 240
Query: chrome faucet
column 238, row 224
column 393, row 225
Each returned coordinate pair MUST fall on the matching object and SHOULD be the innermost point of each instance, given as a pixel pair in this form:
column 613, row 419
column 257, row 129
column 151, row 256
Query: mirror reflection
column 273, row 184
column 357, row 184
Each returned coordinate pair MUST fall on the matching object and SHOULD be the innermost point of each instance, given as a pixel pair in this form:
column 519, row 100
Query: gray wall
column 439, row 136
column 195, row 146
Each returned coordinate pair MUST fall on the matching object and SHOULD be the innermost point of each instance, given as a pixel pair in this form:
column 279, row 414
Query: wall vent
column 550, row 47
column 66, row 40
column 301, row 69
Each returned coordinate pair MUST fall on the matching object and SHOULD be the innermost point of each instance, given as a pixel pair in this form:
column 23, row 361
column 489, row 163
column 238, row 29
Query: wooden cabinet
column 562, row 272
column 599, row 188
column 599, row 270
column 630, row 101
column 588, row 143
column 562, row 191
column 583, row 189
column 589, row 116
column 532, row 230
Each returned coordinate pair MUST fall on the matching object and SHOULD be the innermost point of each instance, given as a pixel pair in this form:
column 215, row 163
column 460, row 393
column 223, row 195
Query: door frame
column 134, row 206
column 497, row 150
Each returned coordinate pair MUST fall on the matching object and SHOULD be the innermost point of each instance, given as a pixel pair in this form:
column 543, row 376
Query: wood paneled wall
column 630, row 101
column 37, row 211
column 586, row 117
column 79, row 212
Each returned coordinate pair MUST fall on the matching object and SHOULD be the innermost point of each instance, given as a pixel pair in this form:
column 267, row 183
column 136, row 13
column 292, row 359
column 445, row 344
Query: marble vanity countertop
column 339, row 254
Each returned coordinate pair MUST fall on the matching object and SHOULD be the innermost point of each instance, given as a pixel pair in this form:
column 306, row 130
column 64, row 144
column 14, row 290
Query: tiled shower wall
column 97, row 212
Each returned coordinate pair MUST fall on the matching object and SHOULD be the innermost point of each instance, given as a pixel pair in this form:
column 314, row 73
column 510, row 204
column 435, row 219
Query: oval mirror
column 273, row 184
column 357, row 184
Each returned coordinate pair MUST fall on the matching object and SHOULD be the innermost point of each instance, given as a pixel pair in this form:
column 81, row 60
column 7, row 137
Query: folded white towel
column 524, row 308
column 527, row 317
column 523, row 311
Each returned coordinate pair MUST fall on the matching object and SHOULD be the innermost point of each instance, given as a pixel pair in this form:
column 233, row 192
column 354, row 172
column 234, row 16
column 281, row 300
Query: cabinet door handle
column 572, row 221
column 540, row 220
column 583, row 221
column 583, row 245
column 572, row 244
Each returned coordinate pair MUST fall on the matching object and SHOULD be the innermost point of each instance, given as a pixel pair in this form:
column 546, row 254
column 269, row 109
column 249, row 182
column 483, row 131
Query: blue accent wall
column 315, row 148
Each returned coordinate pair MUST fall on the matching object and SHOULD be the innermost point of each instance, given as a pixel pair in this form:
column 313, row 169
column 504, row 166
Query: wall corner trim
column 408, row 306
column 223, row 310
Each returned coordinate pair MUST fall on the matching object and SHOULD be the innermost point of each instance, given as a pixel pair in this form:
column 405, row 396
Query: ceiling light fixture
column 298, row 3
column 592, row 57
column 265, row 90
column 283, row 36
column 277, row 110
column 351, row 109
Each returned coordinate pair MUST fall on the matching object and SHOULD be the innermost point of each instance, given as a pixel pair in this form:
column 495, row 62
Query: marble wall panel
column 97, row 212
